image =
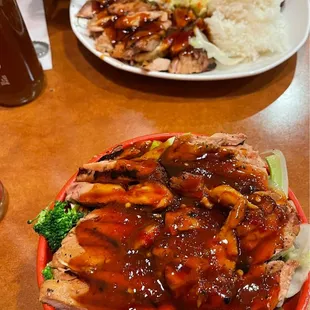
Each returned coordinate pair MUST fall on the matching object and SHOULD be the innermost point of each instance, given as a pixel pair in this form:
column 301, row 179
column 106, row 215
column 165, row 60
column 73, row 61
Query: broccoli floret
column 54, row 224
column 47, row 273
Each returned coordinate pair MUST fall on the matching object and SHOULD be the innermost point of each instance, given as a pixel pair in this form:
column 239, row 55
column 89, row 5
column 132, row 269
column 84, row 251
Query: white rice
column 247, row 28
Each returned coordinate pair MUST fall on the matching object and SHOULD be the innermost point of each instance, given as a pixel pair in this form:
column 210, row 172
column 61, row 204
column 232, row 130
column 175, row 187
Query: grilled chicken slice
column 62, row 294
column 89, row 9
column 190, row 147
column 124, row 7
column 135, row 20
column 158, row 64
column 160, row 51
column 286, row 270
column 146, row 236
column 150, row 193
column 188, row 184
column 109, row 234
column 122, row 171
column 147, row 193
column 96, row 252
column 103, row 44
column 195, row 61
column 135, row 150
column 131, row 168
column 280, row 223
column 216, row 160
column 99, row 21
column 146, row 44
column 183, row 16
column 135, row 47
column 95, row 194
column 182, row 220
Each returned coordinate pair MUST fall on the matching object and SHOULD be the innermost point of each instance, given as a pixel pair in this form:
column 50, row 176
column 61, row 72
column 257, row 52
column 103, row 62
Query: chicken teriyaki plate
column 182, row 222
column 191, row 39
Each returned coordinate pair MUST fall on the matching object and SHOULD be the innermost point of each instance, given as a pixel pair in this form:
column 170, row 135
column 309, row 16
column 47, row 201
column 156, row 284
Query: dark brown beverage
column 21, row 75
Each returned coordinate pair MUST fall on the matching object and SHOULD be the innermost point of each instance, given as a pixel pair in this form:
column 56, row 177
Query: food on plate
column 193, row 222
column 185, row 36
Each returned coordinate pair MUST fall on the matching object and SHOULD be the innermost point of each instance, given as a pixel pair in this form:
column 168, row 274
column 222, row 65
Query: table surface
column 87, row 106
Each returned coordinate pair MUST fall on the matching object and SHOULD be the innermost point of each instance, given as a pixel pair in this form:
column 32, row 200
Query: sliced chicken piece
column 119, row 50
column 163, row 253
column 290, row 231
column 125, row 7
column 227, row 196
column 286, row 270
column 181, row 220
column 160, row 51
column 158, row 64
column 259, row 279
column 235, row 216
column 280, row 217
column 121, row 171
column 147, row 44
column 71, row 248
column 94, row 194
column 183, row 16
column 98, row 23
column 123, row 166
column 135, row 150
column 89, row 9
column 148, row 193
column 246, row 154
column 193, row 62
column 189, row 185
column 190, row 147
column 210, row 158
column 134, row 20
column 103, row 44
column 146, row 236
column 62, row 294
column 268, row 229
column 179, row 279
column 225, row 243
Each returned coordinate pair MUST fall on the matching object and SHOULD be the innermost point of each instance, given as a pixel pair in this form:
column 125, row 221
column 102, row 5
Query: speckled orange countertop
column 87, row 106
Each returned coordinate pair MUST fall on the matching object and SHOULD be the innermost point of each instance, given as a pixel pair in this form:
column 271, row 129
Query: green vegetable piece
column 54, row 224
column 47, row 273
column 155, row 144
column 278, row 174
column 156, row 152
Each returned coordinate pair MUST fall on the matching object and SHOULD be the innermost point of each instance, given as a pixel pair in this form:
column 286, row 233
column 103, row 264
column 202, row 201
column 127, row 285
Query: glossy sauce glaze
column 186, row 256
column 129, row 29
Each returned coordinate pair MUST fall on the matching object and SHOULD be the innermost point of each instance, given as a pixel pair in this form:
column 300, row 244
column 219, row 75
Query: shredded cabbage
column 301, row 253
column 201, row 41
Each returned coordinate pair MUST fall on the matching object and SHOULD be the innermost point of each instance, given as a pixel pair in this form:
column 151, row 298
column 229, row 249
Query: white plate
column 296, row 13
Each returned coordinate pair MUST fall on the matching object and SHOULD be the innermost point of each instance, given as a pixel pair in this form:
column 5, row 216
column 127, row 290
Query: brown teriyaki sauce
column 180, row 268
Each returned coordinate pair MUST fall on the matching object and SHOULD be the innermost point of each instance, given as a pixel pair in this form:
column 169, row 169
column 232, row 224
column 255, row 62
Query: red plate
column 298, row 302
